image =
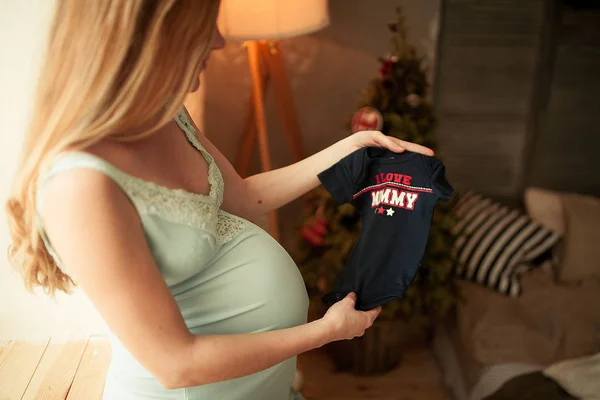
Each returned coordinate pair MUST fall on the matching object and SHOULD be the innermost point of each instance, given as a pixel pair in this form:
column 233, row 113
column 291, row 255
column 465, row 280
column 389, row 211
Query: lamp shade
column 271, row 19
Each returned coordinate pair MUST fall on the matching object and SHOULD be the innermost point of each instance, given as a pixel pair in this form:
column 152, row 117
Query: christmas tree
column 397, row 96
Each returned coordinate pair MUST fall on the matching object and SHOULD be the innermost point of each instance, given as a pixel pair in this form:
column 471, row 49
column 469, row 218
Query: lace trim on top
column 227, row 226
column 174, row 205
column 215, row 179
column 198, row 211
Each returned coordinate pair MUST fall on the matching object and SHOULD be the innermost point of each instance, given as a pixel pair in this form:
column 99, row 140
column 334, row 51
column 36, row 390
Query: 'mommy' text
column 394, row 197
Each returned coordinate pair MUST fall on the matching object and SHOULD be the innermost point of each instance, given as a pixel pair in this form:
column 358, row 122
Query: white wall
column 23, row 24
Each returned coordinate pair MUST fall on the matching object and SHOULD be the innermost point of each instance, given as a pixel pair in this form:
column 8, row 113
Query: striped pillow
column 496, row 244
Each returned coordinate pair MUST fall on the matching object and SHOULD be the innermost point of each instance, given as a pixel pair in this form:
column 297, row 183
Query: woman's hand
column 377, row 139
column 345, row 322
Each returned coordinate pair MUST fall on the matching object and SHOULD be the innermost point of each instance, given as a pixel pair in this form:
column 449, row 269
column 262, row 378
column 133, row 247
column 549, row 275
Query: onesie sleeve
column 442, row 189
column 340, row 180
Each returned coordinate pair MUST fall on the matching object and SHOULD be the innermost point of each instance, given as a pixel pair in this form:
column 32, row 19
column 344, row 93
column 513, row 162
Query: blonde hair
column 110, row 66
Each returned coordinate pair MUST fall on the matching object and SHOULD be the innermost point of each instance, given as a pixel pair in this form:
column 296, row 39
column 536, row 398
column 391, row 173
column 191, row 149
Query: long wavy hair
column 110, row 66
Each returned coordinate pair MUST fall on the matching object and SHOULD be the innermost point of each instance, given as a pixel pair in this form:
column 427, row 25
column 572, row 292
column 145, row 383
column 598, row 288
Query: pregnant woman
column 119, row 194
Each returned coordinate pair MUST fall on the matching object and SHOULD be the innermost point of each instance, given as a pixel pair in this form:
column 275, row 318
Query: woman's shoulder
column 104, row 158
column 79, row 204
column 83, row 176
column 113, row 156
column 75, row 179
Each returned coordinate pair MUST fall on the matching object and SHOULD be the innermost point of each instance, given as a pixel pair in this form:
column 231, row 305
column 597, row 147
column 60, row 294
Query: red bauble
column 311, row 237
column 315, row 229
column 367, row 119
column 319, row 226
column 386, row 67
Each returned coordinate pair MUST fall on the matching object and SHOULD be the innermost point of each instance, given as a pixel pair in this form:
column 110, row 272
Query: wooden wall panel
column 568, row 143
column 488, row 59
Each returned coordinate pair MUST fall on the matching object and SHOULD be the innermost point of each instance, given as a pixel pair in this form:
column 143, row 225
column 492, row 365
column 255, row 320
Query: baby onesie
column 395, row 195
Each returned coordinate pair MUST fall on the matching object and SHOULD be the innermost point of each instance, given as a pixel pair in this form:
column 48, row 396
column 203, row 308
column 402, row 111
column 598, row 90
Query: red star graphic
column 380, row 210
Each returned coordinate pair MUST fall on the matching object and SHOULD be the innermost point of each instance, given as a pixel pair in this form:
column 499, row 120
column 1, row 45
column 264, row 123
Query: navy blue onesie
column 395, row 195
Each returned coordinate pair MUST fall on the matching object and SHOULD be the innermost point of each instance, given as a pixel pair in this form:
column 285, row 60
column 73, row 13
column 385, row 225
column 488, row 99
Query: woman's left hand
column 377, row 139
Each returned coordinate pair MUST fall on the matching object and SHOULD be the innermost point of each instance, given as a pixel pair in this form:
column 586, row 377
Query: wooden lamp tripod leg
column 285, row 102
column 261, row 125
column 268, row 55
column 248, row 141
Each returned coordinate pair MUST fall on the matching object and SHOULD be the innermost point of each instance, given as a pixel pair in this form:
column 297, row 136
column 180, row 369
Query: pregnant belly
column 251, row 285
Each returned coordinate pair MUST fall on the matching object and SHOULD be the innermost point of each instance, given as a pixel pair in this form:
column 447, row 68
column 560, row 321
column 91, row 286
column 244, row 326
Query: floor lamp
column 261, row 24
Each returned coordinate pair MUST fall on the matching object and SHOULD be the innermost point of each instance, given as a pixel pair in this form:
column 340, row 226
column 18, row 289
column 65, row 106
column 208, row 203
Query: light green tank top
column 226, row 274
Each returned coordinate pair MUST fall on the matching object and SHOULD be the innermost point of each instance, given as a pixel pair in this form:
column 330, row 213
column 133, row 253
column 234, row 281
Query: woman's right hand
column 345, row 321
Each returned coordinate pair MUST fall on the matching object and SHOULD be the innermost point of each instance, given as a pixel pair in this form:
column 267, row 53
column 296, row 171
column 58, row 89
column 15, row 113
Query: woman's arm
column 270, row 190
column 97, row 233
column 273, row 189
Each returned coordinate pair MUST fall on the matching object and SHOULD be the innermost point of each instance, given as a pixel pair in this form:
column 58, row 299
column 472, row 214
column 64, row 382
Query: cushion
column 580, row 377
column 546, row 207
column 580, row 252
column 496, row 244
column 496, row 329
column 548, row 323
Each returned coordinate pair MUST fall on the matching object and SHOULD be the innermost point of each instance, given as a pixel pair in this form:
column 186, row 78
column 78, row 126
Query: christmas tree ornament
column 318, row 226
column 413, row 100
column 367, row 119
column 319, row 223
column 315, row 229
column 322, row 284
column 386, row 67
column 312, row 237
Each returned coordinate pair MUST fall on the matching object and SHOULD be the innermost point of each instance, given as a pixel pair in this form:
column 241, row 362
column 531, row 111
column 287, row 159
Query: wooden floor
column 75, row 370
column 416, row 378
